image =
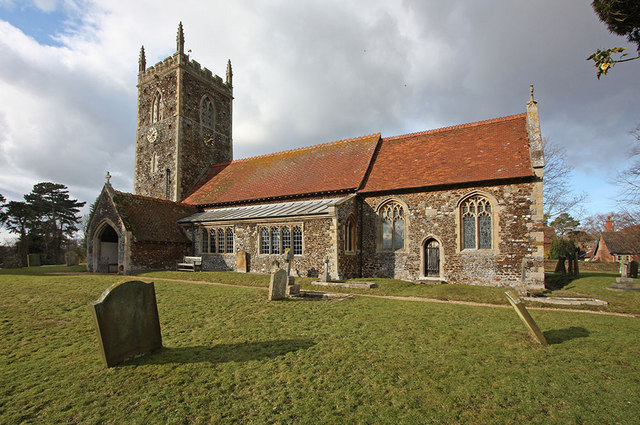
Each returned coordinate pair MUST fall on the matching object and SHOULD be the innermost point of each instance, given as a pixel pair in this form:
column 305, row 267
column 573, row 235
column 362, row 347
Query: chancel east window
column 392, row 226
column 476, row 217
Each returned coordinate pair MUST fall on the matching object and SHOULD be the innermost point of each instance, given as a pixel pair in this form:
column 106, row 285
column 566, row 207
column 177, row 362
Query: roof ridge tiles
column 458, row 126
column 335, row 142
column 151, row 198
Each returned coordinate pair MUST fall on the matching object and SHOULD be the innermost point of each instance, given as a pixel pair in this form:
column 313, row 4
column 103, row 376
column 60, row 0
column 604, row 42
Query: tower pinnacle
column 180, row 39
column 142, row 62
column 229, row 74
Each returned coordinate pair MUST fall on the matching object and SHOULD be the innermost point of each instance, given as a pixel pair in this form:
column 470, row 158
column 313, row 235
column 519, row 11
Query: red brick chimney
column 608, row 227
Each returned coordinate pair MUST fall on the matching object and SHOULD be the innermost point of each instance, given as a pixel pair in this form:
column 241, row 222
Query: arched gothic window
column 297, row 240
column 229, row 241
column 155, row 109
column 207, row 113
column 392, row 226
column 350, row 235
column 476, row 216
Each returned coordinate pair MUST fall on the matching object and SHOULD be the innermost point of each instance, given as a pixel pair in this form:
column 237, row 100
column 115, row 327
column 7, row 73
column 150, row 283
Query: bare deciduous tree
column 629, row 179
column 558, row 194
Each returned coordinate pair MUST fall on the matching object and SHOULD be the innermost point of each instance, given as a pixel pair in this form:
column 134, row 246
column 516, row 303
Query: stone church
column 461, row 204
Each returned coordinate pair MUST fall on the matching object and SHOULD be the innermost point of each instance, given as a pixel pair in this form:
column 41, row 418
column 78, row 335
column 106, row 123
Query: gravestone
column 324, row 277
column 127, row 322
column 292, row 288
column 522, row 311
column 241, row 261
column 278, row 285
column 624, row 281
column 33, row 260
column 71, row 258
column 633, row 269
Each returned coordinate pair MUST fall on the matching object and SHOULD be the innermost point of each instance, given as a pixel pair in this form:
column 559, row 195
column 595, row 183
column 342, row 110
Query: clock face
column 152, row 134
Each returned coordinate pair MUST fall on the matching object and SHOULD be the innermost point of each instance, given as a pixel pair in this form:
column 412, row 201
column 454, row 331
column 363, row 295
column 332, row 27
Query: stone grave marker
column 522, row 311
column 241, row 261
column 624, row 281
column 127, row 322
column 33, row 260
column 633, row 269
column 324, row 277
column 278, row 285
column 292, row 288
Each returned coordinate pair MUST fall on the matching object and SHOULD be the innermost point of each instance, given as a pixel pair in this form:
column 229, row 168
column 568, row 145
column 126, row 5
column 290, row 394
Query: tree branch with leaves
column 622, row 17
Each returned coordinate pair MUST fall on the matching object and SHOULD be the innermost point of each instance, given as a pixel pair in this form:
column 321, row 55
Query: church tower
column 184, row 124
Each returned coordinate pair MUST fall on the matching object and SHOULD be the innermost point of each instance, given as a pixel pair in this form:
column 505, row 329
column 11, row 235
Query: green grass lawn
column 230, row 356
column 591, row 284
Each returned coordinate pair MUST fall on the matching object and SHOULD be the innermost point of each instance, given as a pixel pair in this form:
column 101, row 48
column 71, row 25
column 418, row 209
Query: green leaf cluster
column 562, row 248
column 622, row 17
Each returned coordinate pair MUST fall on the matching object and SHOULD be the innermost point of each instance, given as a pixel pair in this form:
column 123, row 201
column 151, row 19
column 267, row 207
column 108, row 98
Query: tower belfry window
column 167, row 183
column 207, row 113
column 155, row 109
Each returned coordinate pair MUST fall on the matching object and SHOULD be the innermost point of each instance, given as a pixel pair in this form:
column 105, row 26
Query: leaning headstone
column 127, row 322
column 522, row 311
column 33, row 260
column 241, row 261
column 278, row 285
column 71, row 258
column 633, row 269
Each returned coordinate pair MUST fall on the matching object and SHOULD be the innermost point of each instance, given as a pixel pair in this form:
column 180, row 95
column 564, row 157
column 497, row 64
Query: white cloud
column 305, row 73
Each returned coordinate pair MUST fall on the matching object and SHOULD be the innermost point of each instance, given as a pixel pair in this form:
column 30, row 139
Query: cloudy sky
column 307, row 72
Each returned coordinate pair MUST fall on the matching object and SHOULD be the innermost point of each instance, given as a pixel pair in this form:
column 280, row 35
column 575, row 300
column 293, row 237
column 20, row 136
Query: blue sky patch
column 42, row 26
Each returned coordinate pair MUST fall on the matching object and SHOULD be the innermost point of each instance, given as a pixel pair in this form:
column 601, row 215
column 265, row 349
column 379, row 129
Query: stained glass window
column 212, row 241
column 220, row 241
column 297, row 240
column 275, row 240
column 229, row 241
column 265, row 242
column 286, row 239
column 205, row 240
column 476, row 223
column 392, row 226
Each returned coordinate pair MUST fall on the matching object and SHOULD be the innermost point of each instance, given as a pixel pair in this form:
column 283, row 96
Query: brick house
column 461, row 204
column 613, row 246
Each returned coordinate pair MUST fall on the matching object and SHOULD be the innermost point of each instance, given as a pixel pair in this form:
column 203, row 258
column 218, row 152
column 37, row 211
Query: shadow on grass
column 558, row 336
column 222, row 353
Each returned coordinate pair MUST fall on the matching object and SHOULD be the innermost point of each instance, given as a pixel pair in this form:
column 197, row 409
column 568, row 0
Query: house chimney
column 608, row 227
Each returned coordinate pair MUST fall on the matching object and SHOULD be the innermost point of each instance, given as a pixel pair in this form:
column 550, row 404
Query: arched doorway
column 107, row 244
column 431, row 259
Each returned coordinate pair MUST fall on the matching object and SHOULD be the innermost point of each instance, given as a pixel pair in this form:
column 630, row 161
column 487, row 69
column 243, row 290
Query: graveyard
column 230, row 355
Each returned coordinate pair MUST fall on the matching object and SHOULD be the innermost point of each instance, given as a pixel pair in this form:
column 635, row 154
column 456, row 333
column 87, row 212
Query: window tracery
column 476, row 216
column 392, row 226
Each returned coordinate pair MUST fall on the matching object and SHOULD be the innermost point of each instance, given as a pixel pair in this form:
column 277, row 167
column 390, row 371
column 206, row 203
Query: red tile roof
column 486, row 150
column 151, row 219
column 328, row 168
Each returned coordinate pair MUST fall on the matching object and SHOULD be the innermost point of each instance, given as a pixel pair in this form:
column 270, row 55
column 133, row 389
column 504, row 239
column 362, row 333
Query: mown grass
column 231, row 356
column 591, row 284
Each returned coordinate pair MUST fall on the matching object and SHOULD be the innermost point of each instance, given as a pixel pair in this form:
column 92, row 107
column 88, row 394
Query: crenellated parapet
column 170, row 63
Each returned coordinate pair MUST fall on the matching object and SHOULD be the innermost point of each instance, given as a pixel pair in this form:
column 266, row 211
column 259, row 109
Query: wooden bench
column 190, row 264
